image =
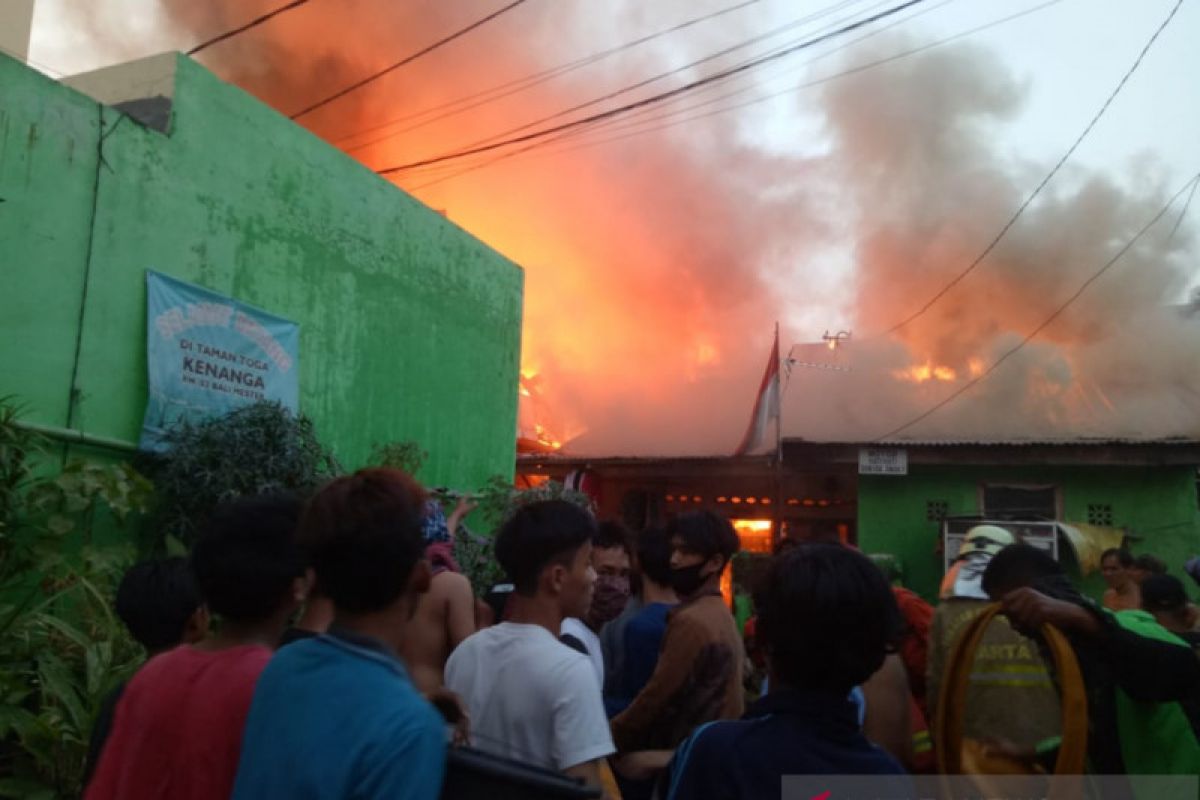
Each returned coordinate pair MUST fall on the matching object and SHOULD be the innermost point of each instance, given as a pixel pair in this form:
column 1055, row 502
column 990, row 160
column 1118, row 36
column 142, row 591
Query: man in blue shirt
column 827, row 616
column 335, row 716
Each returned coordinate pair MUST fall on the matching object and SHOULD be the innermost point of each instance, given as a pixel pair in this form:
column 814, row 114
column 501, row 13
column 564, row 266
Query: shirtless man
column 445, row 615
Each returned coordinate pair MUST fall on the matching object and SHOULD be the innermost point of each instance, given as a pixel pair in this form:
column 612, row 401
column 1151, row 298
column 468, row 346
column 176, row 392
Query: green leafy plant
column 257, row 449
column 61, row 648
column 406, row 456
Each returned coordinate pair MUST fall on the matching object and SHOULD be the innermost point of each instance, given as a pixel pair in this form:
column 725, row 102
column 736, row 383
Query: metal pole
column 72, row 436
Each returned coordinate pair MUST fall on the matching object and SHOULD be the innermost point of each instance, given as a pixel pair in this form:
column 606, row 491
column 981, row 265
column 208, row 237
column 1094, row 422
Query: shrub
column 62, row 650
column 258, row 449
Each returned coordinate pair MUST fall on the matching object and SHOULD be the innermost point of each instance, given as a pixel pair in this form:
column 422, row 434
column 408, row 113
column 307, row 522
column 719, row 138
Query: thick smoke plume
column 657, row 265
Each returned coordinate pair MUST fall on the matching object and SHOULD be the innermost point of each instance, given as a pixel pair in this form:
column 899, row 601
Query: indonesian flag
column 766, row 404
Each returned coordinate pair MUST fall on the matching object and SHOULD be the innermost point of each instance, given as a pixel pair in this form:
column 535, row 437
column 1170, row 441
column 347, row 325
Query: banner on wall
column 208, row 354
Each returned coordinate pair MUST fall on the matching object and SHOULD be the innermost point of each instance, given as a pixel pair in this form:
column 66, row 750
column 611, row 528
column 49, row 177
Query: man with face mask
column 611, row 561
column 698, row 676
column 1011, row 696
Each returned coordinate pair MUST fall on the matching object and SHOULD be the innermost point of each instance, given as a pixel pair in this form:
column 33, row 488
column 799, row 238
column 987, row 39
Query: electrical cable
column 1046, row 322
column 636, row 129
column 654, row 99
column 616, row 122
column 406, row 60
column 1038, row 189
column 662, row 75
column 508, row 88
column 252, row 24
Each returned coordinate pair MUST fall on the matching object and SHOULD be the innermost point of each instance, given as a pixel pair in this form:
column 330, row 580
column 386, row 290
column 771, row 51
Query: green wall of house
column 1157, row 504
column 410, row 327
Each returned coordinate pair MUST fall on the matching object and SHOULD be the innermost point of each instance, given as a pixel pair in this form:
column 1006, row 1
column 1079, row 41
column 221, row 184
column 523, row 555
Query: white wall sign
column 878, row 461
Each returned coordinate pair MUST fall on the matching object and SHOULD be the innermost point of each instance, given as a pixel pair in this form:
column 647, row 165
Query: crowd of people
column 333, row 649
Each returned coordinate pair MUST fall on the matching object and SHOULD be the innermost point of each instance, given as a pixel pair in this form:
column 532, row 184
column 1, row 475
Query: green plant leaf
column 26, row 789
column 60, row 524
column 174, row 546
column 59, row 687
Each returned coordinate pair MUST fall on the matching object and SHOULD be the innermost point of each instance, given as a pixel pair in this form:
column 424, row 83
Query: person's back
column 445, row 614
column 177, row 730
column 178, row 726
column 827, row 617
column 1011, row 695
column 336, row 716
column 333, row 704
column 520, row 684
column 444, row 617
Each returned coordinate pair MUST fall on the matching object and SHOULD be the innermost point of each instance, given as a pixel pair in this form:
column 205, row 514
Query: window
column 1008, row 501
column 936, row 510
column 1100, row 514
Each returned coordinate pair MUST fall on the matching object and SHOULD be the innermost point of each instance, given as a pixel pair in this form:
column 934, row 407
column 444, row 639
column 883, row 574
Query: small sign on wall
column 882, row 461
column 207, row 354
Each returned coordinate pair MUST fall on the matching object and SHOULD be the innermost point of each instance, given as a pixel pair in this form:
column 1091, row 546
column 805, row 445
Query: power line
column 607, row 123
column 406, row 60
column 642, row 127
column 516, row 85
column 252, row 24
column 1038, row 189
column 660, row 76
column 653, row 99
column 1048, row 320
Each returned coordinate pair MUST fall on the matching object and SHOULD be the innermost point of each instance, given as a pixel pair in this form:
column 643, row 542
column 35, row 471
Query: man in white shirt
column 529, row 696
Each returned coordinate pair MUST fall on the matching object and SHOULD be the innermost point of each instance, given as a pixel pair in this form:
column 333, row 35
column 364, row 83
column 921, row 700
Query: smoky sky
column 657, row 265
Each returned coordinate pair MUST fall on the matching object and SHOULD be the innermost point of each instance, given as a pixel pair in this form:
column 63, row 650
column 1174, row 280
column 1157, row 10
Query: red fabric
column 177, row 732
column 914, row 647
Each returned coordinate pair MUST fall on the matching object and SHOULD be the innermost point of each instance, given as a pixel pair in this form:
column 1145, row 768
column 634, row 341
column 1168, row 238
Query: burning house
column 897, row 499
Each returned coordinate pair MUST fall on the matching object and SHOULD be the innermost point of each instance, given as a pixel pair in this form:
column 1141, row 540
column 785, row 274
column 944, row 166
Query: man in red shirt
column 177, row 731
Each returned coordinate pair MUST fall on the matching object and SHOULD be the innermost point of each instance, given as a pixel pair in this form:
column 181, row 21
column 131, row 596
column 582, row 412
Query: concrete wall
column 1156, row 503
column 410, row 327
column 16, row 25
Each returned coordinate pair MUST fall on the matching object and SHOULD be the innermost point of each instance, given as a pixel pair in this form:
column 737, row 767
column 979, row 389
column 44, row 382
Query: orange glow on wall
column 755, row 534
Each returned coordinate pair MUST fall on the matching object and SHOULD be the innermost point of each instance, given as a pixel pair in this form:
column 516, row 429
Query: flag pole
column 778, row 537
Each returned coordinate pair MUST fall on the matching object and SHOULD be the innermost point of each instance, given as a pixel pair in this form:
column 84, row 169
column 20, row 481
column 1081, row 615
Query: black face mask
column 686, row 581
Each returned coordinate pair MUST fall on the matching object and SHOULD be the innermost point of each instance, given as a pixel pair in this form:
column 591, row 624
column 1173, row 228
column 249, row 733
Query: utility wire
column 662, row 75
column 406, row 60
column 1038, row 189
column 653, row 99
column 1047, row 321
column 252, row 24
column 615, row 123
column 645, row 126
column 516, row 85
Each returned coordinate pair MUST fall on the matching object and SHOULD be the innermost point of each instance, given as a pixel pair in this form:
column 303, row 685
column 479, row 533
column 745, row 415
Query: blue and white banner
column 208, row 354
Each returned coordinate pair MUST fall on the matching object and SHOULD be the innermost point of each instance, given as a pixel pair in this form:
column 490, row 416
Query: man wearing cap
column 1011, row 696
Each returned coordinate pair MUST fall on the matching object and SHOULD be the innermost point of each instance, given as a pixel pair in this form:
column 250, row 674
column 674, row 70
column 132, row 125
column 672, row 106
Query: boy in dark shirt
column 827, row 616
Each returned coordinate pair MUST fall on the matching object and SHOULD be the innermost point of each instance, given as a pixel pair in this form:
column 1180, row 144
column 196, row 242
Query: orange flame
column 922, row 373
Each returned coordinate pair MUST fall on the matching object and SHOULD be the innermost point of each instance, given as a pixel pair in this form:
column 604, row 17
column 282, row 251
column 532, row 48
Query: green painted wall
column 410, row 327
column 1157, row 503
